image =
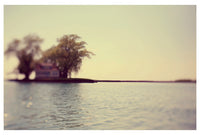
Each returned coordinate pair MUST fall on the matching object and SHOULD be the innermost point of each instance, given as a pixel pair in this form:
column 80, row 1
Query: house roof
column 38, row 67
column 46, row 64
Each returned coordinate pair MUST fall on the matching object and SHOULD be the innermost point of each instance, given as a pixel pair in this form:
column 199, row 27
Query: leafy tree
column 27, row 51
column 68, row 54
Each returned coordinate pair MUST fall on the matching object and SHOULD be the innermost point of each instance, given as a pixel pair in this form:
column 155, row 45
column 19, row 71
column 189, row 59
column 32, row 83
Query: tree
column 27, row 51
column 67, row 55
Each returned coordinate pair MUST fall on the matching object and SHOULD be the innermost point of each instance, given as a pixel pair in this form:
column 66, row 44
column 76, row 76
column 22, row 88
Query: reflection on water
column 99, row 106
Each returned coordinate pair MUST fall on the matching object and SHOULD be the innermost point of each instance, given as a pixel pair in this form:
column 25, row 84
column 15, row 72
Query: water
column 99, row 106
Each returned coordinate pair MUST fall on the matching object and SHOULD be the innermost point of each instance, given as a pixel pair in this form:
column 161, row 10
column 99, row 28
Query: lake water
column 99, row 106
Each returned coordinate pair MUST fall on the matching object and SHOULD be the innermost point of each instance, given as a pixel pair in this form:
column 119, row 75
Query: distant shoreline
column 83, row 80
column 146, row 81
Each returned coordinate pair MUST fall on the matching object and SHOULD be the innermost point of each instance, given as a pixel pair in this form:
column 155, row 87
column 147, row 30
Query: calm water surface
column 101, row 106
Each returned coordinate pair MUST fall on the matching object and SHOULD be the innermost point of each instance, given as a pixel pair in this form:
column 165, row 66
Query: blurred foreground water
column 98, row 106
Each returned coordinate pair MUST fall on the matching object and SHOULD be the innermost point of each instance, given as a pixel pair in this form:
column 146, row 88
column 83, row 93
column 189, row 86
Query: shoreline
column 84, row 80
column 71, row 80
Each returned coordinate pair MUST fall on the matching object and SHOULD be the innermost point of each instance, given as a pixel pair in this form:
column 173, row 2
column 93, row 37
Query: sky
column 130, row 42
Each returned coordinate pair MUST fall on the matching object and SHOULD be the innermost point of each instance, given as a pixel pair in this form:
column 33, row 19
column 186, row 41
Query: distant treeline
column 185, row 80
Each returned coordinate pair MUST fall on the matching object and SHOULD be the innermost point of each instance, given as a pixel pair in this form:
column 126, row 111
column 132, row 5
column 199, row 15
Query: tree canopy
column 27, row 51
column 67, row 55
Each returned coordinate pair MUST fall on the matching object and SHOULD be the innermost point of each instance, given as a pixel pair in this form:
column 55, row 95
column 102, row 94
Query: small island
column 55, row 64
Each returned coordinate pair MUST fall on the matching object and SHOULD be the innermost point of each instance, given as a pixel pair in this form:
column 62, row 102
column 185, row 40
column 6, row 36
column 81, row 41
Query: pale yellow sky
column 130, row 42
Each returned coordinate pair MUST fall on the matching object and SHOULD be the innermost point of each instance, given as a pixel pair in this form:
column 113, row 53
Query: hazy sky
column 130, row 42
